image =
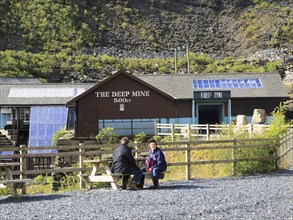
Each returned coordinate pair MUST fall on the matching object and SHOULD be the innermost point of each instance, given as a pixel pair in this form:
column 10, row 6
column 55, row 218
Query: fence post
column 277, row 153
column 187, row 158
column 172, row 131
column 208, row 132
column 22, row 167
column 81, row 165
column 189, row 132
column 234, row 155
column 155, row 126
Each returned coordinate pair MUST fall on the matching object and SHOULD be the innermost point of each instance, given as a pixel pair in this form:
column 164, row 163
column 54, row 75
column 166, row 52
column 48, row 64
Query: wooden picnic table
column 101, row 172
column 8, row 177
column 103, row 165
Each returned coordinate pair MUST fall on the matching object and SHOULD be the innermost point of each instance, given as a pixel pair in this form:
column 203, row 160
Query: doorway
column 210, row 113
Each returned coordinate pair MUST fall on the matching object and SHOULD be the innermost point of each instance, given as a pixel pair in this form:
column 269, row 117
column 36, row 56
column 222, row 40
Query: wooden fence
column 283, row 148
column 203, row 131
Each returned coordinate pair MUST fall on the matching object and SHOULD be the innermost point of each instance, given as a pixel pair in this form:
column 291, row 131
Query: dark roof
column 40, row 94
column 180, row 86
column 11, row 81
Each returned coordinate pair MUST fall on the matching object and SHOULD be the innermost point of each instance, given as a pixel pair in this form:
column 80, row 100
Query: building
column 131, row 103
column 31, row 112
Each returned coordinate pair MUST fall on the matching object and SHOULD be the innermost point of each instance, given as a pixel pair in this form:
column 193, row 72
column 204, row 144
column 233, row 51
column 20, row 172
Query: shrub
column 107, row 136
column 140, row 138
column 57, row 135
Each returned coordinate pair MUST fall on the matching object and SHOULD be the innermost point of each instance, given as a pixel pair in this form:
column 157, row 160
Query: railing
column 203, row 131
column 285, row 150
column 280, row 148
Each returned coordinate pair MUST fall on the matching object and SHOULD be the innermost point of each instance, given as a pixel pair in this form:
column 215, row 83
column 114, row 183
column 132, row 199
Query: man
column 123, row 162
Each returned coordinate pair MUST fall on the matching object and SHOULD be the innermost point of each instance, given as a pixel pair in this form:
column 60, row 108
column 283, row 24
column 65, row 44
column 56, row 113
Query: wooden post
column 234, row 155
column 187, row 59
column 81, row 165
column 251, row 129
column 22, row 167
column 155, row 126
column 173, row 132
column 189, row 132
column 187, row 157
column 277, row 153
column 208, row 132
column 175, row 60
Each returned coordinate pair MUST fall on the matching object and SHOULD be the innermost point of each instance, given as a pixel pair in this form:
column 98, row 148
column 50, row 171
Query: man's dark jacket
column 123, row 161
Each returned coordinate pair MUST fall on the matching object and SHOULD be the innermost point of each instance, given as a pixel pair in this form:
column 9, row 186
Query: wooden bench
column 9, row 179
column 15, row 184
column 113, row 178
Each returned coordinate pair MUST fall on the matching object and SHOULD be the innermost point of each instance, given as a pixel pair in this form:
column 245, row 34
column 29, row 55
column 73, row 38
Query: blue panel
column 227, row 83
column 4, row 117
column 45, row 121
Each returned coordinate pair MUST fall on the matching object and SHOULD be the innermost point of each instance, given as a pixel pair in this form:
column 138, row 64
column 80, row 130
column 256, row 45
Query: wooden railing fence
column 283, row 147
column 203, row 131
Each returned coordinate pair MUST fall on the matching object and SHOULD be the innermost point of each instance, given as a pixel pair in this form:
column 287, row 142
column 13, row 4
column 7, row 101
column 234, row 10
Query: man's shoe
column 133, row 186
column 124, row 185
column 140, row 186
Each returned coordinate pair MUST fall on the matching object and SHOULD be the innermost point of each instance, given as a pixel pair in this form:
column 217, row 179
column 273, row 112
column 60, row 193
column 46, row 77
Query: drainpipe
column 193, row 111
column 229, row 111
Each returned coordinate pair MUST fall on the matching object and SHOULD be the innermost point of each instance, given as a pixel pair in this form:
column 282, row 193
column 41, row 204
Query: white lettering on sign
column 122, row 96
column 218, row 95
column 122, row 100
column 102, row 94
column 211, row 95
column 206, row 95
column 140, row 93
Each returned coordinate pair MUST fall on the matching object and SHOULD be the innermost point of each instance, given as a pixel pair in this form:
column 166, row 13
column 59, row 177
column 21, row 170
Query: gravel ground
column 268, row 196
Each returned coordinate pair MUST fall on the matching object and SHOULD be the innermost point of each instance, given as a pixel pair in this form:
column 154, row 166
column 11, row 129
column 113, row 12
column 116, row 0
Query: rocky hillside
column 85, row 40
column 237, row 28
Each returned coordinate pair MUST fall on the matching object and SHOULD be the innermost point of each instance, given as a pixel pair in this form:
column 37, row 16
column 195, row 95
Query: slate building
column 131, row 103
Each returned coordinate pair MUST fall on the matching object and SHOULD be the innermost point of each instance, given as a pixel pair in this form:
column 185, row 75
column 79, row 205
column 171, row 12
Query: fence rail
column 203, row 131
column 283, row 148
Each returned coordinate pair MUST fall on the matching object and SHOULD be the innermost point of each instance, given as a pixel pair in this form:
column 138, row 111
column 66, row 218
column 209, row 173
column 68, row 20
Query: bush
column 140, row 138
column 107, row 136
column 58, row 135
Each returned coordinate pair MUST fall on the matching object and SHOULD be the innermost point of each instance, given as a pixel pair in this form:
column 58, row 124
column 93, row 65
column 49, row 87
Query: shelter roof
column 40, row 94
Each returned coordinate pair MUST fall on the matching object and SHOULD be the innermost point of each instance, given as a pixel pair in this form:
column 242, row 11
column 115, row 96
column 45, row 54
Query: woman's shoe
column 153, row 187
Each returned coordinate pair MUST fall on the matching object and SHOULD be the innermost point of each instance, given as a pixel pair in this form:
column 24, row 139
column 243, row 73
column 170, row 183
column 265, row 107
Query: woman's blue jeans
column 156, row 173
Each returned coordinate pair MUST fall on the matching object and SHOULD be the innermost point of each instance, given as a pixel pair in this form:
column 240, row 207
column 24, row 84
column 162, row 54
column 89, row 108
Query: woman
column 159, row 164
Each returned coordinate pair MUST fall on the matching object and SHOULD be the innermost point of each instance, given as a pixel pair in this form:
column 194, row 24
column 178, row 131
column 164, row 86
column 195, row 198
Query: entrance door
column 210, row 113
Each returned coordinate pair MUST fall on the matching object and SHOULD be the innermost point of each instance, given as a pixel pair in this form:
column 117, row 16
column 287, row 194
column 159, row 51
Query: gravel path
column 268, row 196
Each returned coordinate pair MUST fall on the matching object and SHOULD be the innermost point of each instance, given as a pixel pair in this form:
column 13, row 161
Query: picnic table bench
column 9, row 180
column 103, row 165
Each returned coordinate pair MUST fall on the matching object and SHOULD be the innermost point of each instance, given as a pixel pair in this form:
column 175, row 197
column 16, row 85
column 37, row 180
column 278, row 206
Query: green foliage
column 107, row 136
column 277, row 126
column 259, row 166
column 124, row 25
column 57, row 135
column 49, row 25
column 140, row 138
column 5, row 191
column 256, row 21
column 69, row 182
column 189, row 10
column 157, row 138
